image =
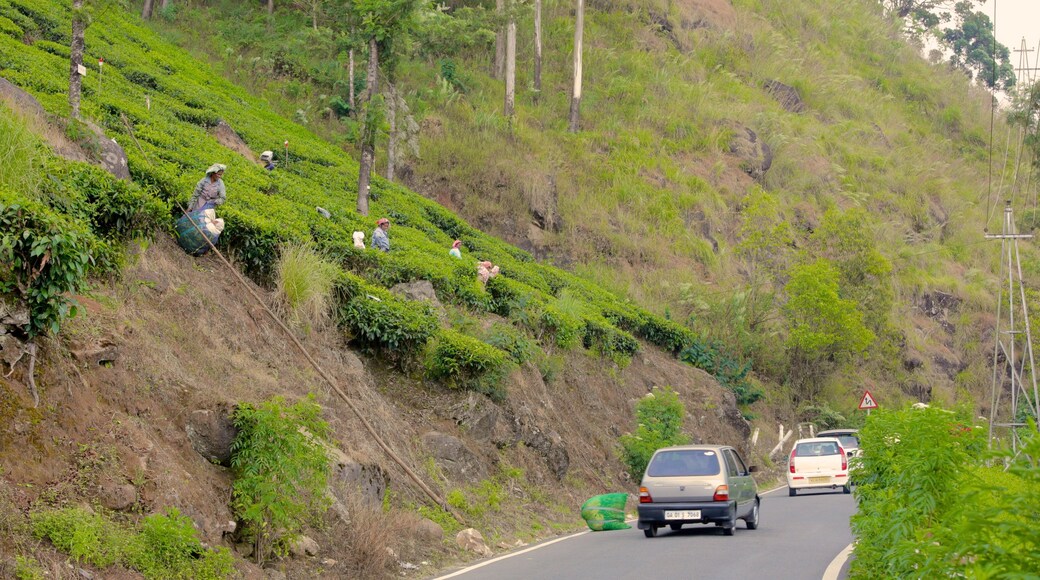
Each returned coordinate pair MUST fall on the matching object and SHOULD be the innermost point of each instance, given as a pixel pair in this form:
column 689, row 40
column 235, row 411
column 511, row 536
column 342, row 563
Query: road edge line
column 834, row 568
column 772, row 490
column 510, row 555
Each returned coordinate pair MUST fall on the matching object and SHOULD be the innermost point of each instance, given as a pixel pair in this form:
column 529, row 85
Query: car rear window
column 817, row 449
column 690, row 462
column 848, row 441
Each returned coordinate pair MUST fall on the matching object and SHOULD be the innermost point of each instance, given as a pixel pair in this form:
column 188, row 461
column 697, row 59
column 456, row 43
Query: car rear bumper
column 653, row 514
column 818, row 480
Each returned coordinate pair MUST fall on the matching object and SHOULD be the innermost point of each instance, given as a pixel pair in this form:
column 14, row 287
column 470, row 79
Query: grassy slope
column 650, row 174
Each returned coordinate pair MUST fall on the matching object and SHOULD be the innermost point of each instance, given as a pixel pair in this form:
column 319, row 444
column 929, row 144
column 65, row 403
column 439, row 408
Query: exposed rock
column 939, row 305
column 21, row 99
column 211, row 432
column 484, row 421
column 303, row 546
column 429, row 531
column 112, row 158
column 11, row 350
column 13, row 314
column 471, row 540
column 786, row 95
column 273, row 574
column 452, row 456
column 755, row 155
column 543, row 199
column 117, row 496
column 352, row 478
column 227, row 137
column 418, row 290
column 102, row 351
column 550, row 446
column 912, row 361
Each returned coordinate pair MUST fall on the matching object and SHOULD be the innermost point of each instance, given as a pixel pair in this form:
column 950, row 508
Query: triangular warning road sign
column 868, row 401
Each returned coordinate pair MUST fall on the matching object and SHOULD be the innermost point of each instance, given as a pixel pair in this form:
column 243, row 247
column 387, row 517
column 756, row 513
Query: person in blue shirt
column 380, row 240
column 455, row 250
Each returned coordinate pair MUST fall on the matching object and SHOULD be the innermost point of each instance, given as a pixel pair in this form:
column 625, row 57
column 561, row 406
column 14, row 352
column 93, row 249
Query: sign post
column 867, row 402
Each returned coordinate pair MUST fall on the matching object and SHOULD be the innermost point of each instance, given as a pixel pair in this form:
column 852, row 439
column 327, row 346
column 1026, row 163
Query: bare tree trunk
column 165, row 3
column 500, row 41
column 314, row 16
column 391, row 116
column 79, row 27
column 353, row 113
column 510, row 70
column 146, row 10
column 538, row 45
column 368, row 139
column 579, row 25
column 270, row 6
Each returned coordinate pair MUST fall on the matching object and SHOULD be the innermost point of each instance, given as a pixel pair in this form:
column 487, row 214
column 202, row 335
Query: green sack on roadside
column 605, row 512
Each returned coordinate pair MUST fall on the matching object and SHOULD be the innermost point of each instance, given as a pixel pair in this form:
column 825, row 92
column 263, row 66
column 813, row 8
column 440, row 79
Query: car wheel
column 728, row 531
column 650, row 532
column 792, row 491
column 847, row 489
column 752, row 520
column 675, row 527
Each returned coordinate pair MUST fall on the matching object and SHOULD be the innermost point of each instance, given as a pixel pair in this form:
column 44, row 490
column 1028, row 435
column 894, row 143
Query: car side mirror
column 753, row 469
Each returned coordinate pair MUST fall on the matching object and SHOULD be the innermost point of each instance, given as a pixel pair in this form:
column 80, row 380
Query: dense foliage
column 281, row 469
column 934, row 504
column 660, row 415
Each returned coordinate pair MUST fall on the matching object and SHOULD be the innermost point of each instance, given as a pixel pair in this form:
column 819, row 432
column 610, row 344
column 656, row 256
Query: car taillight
column 791, row 461
column 844, row 459
column 721, row 493
column 644, row 496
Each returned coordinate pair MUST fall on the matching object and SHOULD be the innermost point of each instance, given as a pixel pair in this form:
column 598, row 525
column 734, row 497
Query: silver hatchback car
column 697, row 484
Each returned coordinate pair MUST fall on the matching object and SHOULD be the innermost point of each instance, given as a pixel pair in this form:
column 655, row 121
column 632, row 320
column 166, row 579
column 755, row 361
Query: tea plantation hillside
column 162, row 105
column 725, row 148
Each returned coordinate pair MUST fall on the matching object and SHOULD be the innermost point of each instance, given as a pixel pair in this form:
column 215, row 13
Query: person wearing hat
column 380, row 240
column 455, row 250
column 267, row 157
column 209, row 192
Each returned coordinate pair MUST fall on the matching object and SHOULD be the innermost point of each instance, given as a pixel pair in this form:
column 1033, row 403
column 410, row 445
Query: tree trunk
column 538, row 46
column 146, row 10
column 270, row 6
column 165, row 3
column 350, row 98
column 500, row 41
column 510, row 70
column 314, row 16
column 391, row 117
column 79, row 26
column 579, row 24
column 368, row 138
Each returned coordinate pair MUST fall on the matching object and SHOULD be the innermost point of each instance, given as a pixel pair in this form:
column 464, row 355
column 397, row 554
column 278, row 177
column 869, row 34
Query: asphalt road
column 796, row 540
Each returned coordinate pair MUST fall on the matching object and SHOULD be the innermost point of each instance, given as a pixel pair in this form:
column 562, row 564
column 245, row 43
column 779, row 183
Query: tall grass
column 304, row 281
column 21, row 154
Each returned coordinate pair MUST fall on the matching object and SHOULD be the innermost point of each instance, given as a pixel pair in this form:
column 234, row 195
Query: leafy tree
column 660, row 416
column 921, row 16
column 976, row 51
column 765, row 237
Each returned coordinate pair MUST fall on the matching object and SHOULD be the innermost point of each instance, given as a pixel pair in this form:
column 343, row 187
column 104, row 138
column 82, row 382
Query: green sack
column 605, row 512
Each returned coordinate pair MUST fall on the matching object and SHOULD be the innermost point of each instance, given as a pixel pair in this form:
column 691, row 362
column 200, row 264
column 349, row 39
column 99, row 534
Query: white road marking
column 834, row 568
column 549, row 543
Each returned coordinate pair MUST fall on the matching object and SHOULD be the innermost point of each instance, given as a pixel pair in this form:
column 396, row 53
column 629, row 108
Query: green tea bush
column 515, row 343
column 464, row 362
column 659, row 415
column 280, row 470
column 602, row 338
column 45, row 257
column 567, row 329
column 397, row 327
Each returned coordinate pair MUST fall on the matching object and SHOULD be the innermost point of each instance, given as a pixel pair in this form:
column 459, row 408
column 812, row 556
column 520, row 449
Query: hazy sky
column 1015, row 19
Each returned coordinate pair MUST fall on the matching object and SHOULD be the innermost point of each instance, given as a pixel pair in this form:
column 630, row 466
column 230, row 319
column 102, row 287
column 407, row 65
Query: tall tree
column 579, row 25
column 270, row 6
column 500, row 40
column 510, row 67
column 538, row 45
column 368, row 136
column 350, row 78
column 80, row 20
column 391, row 117
column 976, row 51
column 381, row 22
column 146, row 10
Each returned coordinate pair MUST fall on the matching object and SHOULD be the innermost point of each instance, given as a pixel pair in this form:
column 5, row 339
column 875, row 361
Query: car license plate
column 819, row 479
column 683, row 515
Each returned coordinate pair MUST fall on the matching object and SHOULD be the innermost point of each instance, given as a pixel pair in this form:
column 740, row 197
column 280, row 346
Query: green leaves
column 465, row 362
column 660, row 416
column 822, row 323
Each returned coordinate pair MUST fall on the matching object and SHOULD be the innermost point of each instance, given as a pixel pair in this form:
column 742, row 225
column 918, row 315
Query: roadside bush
column 280, row 469
column 464, row 362
column 304, row 281
column 729, row 372
column 506, row 338
column 84, row 536
column 660, row 416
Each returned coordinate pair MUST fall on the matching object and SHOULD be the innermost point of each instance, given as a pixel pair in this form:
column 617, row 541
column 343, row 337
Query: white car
column 818, row 463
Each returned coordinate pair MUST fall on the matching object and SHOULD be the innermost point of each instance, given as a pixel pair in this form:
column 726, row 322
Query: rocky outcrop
column 484, row 421
column 117, row 496
column 229, row 138
column 453, row 457
column 755, row 155
column 418, row 290
column 939, row 305
column 211, row 432
column 429, row 531
column 366, row 481
column 302, row 547
column 786, row 95
column 472, row 541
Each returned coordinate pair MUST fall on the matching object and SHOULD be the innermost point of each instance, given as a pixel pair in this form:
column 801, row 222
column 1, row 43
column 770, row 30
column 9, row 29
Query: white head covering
column 359, row 238
column 267, row 155
column 216, row 168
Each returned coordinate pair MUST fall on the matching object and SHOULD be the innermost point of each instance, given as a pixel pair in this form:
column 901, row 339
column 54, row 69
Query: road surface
column 798, row 537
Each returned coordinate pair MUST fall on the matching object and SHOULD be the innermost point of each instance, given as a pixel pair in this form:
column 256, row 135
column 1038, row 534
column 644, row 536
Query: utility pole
column 1012, row 401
